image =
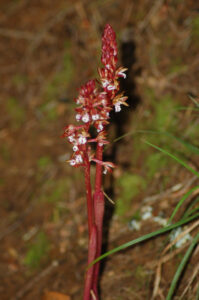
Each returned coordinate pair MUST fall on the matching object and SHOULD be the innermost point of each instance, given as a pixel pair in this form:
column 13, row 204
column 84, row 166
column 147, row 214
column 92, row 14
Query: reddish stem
column 98, row 178
column 99, row 213
column 92, row 250
column 90, row 206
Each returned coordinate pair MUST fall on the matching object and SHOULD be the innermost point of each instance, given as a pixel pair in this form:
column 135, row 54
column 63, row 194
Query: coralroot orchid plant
column 95, row 101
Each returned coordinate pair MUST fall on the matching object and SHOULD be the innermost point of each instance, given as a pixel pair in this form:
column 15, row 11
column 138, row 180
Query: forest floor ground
column 48, row 50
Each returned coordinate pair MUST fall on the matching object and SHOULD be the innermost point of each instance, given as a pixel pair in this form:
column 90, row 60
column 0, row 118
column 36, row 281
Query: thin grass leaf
column 145, row 237
column 181, row 202
column 193, row 211
column 187, row 213
column 132, row 133
column 188, row 145
column 181, row 267
column 123, row 136
column 184, row 164
column 186, row 108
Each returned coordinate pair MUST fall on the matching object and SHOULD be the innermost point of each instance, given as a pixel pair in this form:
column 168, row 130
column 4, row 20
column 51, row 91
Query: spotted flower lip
column 117, row 107
column 121, row 72
column 78, row 117
column 82, row 140
column 95, row 101
column 86, row 118
column 75, row 148
column 108, row 166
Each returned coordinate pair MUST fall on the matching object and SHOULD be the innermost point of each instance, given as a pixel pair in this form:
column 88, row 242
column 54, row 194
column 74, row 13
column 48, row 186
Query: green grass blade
column 186, row 108
column 181, row 267
column 123, row 136
column 181, row 202
column 188, row 211
column 193, row 211
column 145, row 237
column 175, row 158
column 188, row 145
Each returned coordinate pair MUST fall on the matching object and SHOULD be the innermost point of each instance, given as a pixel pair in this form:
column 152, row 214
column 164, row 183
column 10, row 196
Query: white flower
column 86, row 118
column 82, row 140
column 78, row 158
column 111, row 87
column 72, row 162
column 100, row 127
column 108, row 66
column 79, row 100
column 78, row 117
column 105, row 83
column 95, row 117
column 75, row 148
column 71, row 138
column 105, row 171
column 117, row 107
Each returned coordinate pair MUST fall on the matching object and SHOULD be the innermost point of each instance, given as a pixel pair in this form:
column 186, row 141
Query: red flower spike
column 95, row 101
column 109, row 48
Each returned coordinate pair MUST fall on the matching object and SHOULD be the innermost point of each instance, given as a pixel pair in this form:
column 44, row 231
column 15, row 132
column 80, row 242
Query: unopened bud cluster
column 95, row 103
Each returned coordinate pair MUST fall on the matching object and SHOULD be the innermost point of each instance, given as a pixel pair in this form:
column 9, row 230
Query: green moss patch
column 38, row 251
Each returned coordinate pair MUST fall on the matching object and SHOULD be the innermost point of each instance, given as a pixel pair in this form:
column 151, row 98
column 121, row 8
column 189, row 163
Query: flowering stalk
column 94, row 106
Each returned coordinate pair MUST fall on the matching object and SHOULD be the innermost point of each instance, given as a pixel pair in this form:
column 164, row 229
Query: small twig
column 180, row 236
column 12, row 9
column 176, row 190
column 12, row 227
column 159, row 267
column 108, row 198
column 194, row 274
column 93, row 295
column 18, row 34
column 151, row 13
column 165, row 258
column 20, row 294
column 57, row 18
